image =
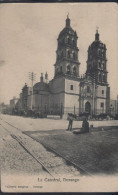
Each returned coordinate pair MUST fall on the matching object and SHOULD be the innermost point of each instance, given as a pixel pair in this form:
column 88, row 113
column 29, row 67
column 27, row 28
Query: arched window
column 74, row 55
column 69, row 40
column 68, row 69
column 100, row 77
column 102, row 66
column 88, row 89
column 99, row 65
column 104, row 78
column 99, row 52
column 66, row 39
column 74, row 70
column 68, row 52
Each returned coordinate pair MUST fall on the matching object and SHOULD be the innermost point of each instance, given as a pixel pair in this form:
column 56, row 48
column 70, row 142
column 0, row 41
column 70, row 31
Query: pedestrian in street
column 85, row 126
column 84, row 129
column 70, row 119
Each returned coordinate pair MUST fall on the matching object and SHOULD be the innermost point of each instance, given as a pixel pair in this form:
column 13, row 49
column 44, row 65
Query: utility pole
column 117, row 105
column 32, row 77
column 93, row 110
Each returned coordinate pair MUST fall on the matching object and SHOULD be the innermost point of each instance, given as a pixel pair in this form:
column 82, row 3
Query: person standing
column 70, row 119
column 85, row 126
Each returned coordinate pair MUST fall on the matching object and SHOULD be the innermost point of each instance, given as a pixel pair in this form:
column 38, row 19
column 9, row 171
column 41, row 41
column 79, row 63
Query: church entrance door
column 88, row 107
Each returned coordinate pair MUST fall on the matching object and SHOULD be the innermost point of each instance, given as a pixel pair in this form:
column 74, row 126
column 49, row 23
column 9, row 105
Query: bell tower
column 67, row 52
column 96, row 63
column 96, row 78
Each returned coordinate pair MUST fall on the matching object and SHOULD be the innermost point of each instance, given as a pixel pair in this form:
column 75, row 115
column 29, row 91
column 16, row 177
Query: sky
column 28, row 40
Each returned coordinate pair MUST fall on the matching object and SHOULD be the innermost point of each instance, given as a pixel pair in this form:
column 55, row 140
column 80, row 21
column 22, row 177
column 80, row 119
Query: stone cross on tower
column 97, row 29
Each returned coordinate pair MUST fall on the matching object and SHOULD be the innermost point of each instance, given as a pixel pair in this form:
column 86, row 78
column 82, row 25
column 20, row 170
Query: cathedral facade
column 67, row 91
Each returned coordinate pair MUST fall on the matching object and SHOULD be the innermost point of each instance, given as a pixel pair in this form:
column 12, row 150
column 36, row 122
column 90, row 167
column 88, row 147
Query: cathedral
column 68, row 92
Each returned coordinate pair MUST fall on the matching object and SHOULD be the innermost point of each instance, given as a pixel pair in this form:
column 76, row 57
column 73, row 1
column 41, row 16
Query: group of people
column 85, row 123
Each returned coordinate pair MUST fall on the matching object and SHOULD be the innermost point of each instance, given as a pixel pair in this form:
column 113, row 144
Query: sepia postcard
column 59, row 97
